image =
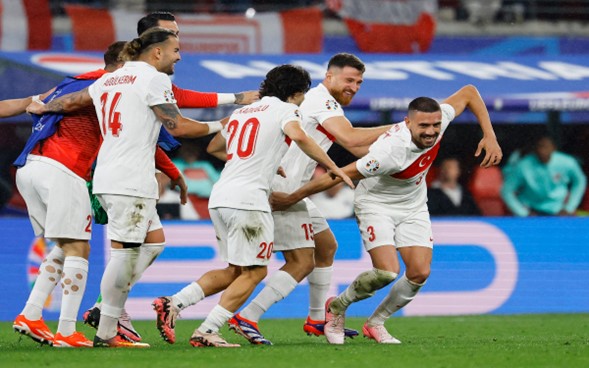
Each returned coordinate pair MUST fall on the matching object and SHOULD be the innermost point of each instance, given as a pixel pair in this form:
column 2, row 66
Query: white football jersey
column 255, row 145
column 395, row 170
column 318, row 106
column 122, row 99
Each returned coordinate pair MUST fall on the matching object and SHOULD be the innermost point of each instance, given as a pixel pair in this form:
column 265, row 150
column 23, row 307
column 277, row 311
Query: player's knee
column 418, row 275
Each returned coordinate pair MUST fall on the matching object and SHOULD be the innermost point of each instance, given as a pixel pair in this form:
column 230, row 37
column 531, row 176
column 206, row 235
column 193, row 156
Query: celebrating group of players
column 114, row 117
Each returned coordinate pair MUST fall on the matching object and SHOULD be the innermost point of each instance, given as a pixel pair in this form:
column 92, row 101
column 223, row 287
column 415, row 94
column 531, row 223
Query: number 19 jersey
column 130, row 128
column 255, row 145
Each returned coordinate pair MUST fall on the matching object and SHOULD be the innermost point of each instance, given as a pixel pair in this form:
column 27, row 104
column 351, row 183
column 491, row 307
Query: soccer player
column 155, row 240
column 131, row 104
column 391, row 207
column 253, row 143
column 302, row 233
column 52, row 174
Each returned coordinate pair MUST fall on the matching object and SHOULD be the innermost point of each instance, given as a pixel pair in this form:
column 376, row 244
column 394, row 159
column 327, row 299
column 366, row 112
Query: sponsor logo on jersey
column 372, row 166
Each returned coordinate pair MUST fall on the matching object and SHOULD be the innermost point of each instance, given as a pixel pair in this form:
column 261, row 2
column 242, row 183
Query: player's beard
column 342, row 98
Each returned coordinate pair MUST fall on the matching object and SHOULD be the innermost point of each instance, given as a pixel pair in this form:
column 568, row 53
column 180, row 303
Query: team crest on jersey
column 331, row 105
column 169, row 96
column 372, row 166
column 298, row 114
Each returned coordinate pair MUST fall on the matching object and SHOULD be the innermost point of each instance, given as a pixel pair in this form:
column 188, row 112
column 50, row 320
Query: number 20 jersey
column 130, row 128
column 255, row 145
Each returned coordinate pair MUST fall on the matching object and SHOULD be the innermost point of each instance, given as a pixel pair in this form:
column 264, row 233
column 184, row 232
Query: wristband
column 214, row 126
column 225, row 98
column 36, row 98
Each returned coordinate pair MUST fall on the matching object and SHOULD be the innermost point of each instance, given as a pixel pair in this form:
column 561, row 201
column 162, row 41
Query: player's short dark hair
column 424, row 104
column 112, row 54
column 152, row 20
column 139, row 45
column 344, row 59
column 284, row 81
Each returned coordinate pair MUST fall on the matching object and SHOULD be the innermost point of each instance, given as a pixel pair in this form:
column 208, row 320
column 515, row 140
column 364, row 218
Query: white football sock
column 49, row 275
column 319, row 283
column 114, row 287
column 73, row 283
column 278, row 286
column 402, row 292
column 215, row 320
column 148, row 252
column 190, row 295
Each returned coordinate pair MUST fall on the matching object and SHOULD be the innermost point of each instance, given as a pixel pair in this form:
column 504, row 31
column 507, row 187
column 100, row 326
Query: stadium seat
column 485, row 187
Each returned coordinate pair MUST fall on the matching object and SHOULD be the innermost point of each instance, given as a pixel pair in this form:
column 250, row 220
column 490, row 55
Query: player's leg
column 73, row 283
column 252, row 251
column 36, row 194
column 417, row 259
column 167, row 308
column 126, row 237
column 294, row 238
column 377, row 233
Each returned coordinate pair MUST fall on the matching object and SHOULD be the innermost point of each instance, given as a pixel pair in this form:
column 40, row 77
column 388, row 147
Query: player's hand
column 180, row 183
column 281, row 171
column 340, row 173
column 247, row 97
column 280, row 201
column 493, row 154
column 36, row 108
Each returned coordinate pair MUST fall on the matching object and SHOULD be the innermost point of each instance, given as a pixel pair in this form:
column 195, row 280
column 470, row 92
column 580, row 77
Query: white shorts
column 246, row 238
column 155, row 223
column 128, row 217
column 319, row 222
column 296, row 227
column 403, row 230
column 57, row 200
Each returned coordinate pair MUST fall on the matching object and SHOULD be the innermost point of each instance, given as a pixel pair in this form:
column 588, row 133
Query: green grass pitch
column 549, row 340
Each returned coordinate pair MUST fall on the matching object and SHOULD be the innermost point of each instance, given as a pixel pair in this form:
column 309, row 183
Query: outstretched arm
column 18, row 106
column 355, row 140
column 64, row 104
column 281, row 201
column 179, row 126
column 468, row 96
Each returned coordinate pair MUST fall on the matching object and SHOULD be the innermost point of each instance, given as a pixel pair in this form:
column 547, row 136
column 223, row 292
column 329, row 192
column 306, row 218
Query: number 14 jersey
column 130, row 128
column 255, row 145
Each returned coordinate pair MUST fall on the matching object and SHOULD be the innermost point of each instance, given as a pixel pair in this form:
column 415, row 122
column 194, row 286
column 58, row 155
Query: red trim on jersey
column 165, row 165
column 421, row 164
column 324, row 131
column 287, row 140
column 186, row 98
column 95, row 74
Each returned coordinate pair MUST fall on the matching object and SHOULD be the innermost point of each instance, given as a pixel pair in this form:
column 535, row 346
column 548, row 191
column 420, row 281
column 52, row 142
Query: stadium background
column 533, row 80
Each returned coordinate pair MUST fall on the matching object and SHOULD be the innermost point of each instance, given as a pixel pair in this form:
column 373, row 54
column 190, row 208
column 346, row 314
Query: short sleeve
column 291, row 113
column 92, row 89
column 381, row 159
column 448, row 114
column 160, row 90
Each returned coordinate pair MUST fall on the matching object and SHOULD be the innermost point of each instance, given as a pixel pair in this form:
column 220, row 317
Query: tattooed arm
column 180, row 126
column 68, row 103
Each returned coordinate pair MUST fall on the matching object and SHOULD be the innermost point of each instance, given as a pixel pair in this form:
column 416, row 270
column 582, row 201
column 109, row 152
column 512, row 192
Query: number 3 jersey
column 130, row 128
column 395, row 170
column 255, row 144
